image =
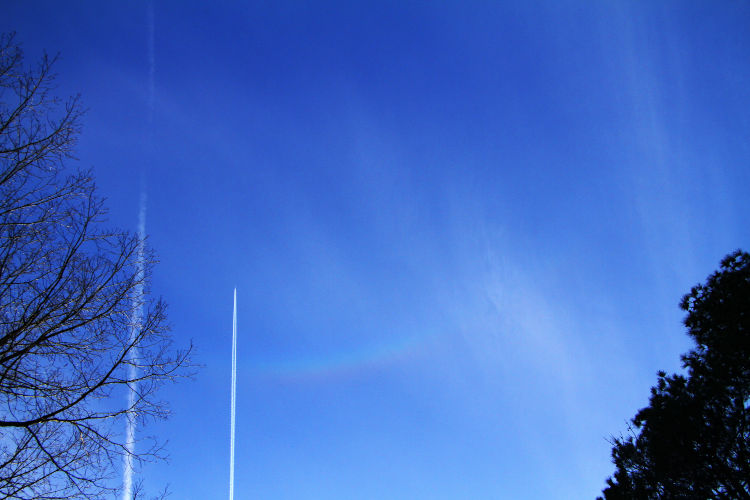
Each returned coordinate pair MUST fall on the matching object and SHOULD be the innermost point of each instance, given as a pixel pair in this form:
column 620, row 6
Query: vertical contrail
column 138, row 297
column 234, row 396
column 151, row 63
column 135, row 328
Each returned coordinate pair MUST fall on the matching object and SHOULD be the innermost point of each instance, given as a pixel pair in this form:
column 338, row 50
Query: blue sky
column 459, row 232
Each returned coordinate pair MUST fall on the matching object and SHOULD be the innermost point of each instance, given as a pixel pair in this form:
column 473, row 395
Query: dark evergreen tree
column 693, row 439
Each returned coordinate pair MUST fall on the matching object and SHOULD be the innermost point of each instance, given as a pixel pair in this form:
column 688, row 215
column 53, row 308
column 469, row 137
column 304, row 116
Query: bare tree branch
column 69, row 292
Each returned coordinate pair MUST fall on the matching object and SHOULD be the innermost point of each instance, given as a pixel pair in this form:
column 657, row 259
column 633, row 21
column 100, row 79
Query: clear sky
column 459, row 231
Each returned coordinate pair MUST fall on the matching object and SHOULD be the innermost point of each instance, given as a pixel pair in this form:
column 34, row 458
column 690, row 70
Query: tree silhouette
column 693, row 439
column 67, row 304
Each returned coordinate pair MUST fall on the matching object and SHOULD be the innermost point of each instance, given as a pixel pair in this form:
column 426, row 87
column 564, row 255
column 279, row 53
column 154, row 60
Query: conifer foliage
column 693, row 439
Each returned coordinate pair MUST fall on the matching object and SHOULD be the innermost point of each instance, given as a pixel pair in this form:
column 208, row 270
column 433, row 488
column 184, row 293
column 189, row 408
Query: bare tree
column 138, row 492
column 67, row 306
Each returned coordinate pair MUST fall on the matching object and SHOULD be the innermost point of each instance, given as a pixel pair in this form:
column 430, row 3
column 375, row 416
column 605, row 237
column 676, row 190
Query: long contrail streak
column 234, row 396
column 151, row 64
column 138, row 299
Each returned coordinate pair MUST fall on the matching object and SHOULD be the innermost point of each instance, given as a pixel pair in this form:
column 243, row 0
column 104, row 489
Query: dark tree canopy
column 72, row 339
column 693, row 439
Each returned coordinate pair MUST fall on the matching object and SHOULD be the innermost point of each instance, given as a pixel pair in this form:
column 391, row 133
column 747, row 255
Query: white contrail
column 234, row 397
column 151, row 63
column 138, row 301
column 138, row 298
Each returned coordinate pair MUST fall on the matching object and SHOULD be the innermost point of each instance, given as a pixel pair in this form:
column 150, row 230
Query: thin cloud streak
column 133, row 354
column 234, row 396
column 151, row 64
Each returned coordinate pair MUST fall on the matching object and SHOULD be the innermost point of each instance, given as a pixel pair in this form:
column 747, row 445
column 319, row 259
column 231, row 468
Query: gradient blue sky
column 459, row 230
